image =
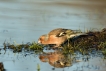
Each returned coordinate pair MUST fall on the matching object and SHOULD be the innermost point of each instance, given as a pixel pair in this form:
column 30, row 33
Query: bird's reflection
column 56, row 59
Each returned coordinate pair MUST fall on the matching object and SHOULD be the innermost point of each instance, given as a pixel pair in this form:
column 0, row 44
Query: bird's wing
column 62, row 32
column 58, row 32
column 77, row 35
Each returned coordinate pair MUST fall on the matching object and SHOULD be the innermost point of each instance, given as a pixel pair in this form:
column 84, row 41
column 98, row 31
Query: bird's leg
column 68, row 42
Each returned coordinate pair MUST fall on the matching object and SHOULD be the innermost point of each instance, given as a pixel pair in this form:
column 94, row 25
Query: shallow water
column 24, row 21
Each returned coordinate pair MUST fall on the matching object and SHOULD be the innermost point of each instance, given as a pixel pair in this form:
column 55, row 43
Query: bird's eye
column 39, row 38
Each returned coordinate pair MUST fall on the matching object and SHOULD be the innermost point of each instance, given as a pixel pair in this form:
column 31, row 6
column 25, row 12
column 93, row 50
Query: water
column 24, row 21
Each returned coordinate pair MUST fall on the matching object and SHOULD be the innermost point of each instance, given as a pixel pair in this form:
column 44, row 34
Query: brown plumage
column 58, row 36
column 56, row 59
column 52, row 39
column 60, row 32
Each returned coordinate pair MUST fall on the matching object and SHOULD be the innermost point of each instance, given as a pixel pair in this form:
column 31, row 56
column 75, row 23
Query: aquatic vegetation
column 67, row 49
column 35, row 46
column 19, row 47
column 104, row 53
column 38, row 67
column 1, row 67
column 102, row 45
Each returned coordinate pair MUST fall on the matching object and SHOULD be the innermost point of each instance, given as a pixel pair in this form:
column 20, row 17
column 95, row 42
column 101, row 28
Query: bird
column 60, row 32
column 52, row 39
column 58, row 36
column 56, row 59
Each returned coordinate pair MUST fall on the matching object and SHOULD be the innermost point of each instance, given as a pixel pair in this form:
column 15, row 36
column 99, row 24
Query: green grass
column 18, row 47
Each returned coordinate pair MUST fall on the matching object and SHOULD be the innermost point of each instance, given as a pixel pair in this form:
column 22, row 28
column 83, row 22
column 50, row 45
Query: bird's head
column 42, row 39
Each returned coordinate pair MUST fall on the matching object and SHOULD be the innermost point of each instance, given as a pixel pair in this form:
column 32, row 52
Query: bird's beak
column 39, row 42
